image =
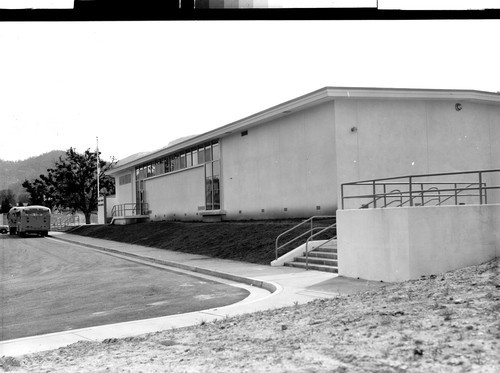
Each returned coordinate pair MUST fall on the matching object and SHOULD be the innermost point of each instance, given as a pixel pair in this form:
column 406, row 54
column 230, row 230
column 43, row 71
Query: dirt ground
column 444, row 323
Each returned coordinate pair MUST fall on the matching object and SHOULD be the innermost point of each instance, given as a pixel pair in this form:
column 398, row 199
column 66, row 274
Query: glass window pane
column 177, row 162
column 160, row 168
column 208, row 153
column 172, row 163
column 167, row 164
column 189, row 161
column 201, row 155
column 195, row 157
column 216, row 151
column 183, row 161
column 208, row 194
column 216, row 168
column 208, row 170
column 216, row 194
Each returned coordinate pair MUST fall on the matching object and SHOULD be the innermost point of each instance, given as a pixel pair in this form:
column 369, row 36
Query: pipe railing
column 309, row 231
column 130, row 209
column 424, row 191
column 333, row 226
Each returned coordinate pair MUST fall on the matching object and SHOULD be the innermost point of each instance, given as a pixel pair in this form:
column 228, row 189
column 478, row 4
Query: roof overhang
column 312, row 99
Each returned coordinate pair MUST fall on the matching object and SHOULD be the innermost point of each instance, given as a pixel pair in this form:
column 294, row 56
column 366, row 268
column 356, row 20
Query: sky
column 139, row 85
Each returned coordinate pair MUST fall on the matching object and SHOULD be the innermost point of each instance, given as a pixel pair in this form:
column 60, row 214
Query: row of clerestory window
column 187, row 158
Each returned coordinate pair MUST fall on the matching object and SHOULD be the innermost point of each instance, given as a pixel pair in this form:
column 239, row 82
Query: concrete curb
column 227, row 276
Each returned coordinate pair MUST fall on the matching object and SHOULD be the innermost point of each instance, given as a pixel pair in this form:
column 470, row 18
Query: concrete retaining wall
column 398, row 244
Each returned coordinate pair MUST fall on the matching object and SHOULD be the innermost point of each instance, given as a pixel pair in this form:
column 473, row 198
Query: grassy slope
column 252, row 241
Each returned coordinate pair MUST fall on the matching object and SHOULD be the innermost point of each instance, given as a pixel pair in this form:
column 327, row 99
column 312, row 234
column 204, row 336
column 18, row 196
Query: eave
column 312, row 99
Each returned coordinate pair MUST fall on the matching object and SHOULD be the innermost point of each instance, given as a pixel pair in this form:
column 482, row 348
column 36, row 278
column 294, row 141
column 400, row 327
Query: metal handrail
column 310, row 220
column 432, row 199
column 422, row 196
column 457, row 188
column 422, row 175
column 384, row 196
column 466, row 188
column 136, row 208
column 334, row 225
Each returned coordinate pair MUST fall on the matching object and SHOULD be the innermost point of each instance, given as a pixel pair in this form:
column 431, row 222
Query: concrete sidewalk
column 269, row 287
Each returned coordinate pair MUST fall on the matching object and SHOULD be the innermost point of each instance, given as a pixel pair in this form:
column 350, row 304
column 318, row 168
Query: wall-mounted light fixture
column 458, row 106
column 354, row 129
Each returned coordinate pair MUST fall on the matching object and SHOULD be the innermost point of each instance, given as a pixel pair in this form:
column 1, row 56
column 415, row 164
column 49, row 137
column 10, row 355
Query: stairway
column 321, row 259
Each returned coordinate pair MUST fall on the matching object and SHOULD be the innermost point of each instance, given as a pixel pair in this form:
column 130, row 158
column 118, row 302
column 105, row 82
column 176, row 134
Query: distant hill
column 13, row 173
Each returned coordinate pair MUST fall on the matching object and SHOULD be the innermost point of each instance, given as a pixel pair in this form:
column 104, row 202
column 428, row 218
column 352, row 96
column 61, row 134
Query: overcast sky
column 139, row 85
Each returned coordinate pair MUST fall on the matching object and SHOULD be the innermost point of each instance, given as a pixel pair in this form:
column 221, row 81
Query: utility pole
column 98, row 171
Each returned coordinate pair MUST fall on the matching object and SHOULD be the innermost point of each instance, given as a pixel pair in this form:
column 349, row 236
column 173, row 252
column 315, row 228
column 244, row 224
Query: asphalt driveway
column 48, row 286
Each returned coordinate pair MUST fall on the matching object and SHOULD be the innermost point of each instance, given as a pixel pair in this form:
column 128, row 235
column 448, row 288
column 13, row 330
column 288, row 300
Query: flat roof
column 303, row 102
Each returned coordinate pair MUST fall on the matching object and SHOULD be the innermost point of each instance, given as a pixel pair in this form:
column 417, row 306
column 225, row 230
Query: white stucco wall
column 176, row 196
column 398, row 244
column 299, row 161
column 287, row 163
column 403, row 137
column 124, row 193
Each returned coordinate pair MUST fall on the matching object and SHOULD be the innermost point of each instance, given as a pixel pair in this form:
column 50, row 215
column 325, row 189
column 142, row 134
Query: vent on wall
column 244, row 133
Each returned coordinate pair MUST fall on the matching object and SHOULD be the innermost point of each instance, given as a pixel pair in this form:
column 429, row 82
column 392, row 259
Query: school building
column 412, row 175
column 289, row 161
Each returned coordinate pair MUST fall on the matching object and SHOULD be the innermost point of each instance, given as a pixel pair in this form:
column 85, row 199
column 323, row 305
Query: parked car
column 4, row 229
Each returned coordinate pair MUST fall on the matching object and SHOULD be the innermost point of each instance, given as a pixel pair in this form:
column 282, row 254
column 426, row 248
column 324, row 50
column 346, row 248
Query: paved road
column 48, row 286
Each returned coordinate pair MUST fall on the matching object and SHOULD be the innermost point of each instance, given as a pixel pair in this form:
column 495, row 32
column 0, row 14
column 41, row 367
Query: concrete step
column 313, row 260
column 316, row 267
column 323, row 254
column 323, row 249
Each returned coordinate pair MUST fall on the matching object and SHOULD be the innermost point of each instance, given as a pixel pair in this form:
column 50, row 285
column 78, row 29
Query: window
column 208, row 153
column 125, row 179
column 208, row 170
column 177, row 162
column 201, row 155
column 209, row 194
column 215, row 151
column 183, row 161
column 160, row 167
column 216, row 168
column 171, row 160
column 216, row 193
column 195, row 157
column 212, row 185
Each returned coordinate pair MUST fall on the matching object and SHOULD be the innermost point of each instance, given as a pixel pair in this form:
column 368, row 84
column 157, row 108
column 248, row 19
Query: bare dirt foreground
column 444, row 323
